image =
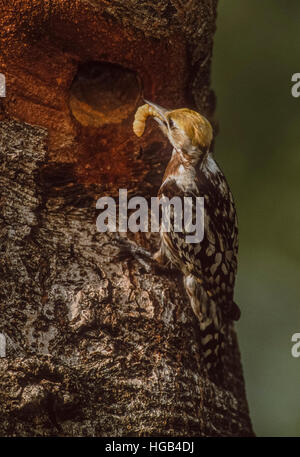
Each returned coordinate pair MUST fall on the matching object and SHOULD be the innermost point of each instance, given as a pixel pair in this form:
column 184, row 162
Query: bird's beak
column 160, row 111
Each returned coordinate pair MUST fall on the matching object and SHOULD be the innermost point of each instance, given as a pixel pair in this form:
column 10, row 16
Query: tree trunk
column 96, row 347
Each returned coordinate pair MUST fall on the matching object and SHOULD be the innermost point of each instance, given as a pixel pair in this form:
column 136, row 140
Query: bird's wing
column 213, row 261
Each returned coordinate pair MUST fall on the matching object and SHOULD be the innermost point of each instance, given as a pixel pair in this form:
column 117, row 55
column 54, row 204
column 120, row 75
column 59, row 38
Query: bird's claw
column 129, row 250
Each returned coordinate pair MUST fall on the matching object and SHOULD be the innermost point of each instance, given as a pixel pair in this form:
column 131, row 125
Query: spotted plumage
column 209, row 267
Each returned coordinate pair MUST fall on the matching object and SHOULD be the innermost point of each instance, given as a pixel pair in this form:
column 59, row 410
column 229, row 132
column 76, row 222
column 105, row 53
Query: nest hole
column 103, row 93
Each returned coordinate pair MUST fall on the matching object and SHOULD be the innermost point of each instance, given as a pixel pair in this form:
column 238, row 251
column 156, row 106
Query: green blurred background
column 257, row 49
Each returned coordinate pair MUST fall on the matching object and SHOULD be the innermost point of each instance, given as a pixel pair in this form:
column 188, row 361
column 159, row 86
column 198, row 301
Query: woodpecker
column 209, row 267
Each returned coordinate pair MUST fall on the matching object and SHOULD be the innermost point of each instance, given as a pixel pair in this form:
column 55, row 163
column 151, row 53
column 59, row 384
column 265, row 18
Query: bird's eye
column 171, row 123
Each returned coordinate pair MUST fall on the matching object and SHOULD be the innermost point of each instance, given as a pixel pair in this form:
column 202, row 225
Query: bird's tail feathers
column 211, row 324
column 213, row 345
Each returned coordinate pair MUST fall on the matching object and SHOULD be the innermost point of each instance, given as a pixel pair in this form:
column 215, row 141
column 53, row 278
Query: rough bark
column 97, row 347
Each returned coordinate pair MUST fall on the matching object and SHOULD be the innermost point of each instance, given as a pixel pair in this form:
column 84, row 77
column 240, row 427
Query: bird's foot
column 130, row 250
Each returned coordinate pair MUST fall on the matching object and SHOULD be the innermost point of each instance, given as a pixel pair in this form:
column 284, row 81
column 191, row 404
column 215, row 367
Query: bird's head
column 189, row 132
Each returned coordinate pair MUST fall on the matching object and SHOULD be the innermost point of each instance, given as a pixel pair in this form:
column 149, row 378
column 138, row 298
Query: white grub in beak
column 150, row 109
